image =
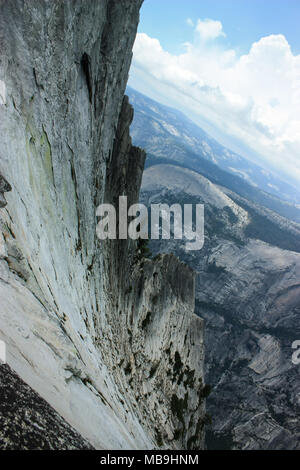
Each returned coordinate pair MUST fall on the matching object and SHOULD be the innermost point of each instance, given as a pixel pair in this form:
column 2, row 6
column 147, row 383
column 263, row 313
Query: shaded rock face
column 158, row 341
column 4, row 188
column 107, row 338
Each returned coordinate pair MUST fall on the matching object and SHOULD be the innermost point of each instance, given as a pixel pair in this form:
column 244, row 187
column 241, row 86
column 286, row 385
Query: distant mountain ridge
column 169, row 136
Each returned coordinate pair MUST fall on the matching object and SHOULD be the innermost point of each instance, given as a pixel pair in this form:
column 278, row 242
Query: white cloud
column 253, row 99
column 209, row 29
column 190, row 22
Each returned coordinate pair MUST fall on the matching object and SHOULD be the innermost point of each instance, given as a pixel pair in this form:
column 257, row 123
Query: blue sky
column 245, row 21
column 233, row 66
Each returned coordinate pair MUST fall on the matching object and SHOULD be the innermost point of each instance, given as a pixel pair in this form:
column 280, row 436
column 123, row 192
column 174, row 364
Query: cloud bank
column 253, row 99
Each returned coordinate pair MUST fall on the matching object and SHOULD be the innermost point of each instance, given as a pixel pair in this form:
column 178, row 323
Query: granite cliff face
column 109, row 339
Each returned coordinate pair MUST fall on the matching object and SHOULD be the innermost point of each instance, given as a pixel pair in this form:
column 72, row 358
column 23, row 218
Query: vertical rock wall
column 107, row 338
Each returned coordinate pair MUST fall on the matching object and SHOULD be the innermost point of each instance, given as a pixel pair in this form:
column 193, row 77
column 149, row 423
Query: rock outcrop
column 109, row 339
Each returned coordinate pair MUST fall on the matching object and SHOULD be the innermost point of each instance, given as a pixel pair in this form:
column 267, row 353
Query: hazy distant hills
column 169, row 136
